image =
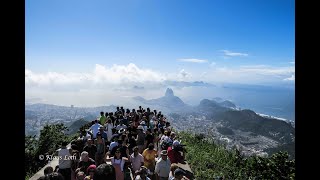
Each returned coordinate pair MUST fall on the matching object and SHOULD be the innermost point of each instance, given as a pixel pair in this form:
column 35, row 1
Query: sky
column 79, row 49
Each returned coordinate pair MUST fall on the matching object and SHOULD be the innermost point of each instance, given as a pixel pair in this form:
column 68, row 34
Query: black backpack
column 165, row 144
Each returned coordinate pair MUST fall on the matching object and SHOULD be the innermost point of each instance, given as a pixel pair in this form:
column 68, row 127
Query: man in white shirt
column 136, row 159
column 95, row 129
column 65, row 161
column 163, row 165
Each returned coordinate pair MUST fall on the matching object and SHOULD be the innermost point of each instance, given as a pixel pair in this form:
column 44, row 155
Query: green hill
column 75, row 126
column 210, row 161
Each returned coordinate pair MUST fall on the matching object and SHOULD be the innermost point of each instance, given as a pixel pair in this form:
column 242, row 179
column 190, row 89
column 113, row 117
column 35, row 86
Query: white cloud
column 104, row 85
column 194, row 60
column 249, row 74
column 292, row 62
column 292, row 78
column 100, row 77
column 228, row 53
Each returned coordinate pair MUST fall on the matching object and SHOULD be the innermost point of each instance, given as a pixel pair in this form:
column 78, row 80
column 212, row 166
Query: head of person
column 74, row 147
column 156, row 130
column 80, row 175
column 64, row 143
column 172, row 135
column 118, row 153
column 120, row 141
column 89, row 141
column 135, row 151
column 48, row 170
column 144, row 171
column 91, row 170
column 96, row 121
column 101, row 113
column 104, row 171
column 150, row 146
column 99, row 135
column 179, row 173
column 173, row 167
column 101, row 129
column 164, row 154
column 84, row 156
column 175, row 144
column 56, row 176
column 140, row 129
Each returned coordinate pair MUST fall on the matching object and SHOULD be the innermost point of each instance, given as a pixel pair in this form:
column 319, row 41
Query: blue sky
column 247, row 41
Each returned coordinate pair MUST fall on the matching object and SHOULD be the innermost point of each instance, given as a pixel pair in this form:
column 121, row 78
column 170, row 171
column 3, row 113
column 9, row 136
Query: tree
column 51, row 137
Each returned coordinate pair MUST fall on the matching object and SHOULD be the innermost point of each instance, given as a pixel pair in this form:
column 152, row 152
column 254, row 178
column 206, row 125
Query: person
column 65, row 162
column 90, row 148
column 101, row 150
column 121, row 126
column 149, row 137
column 109, row 127
column 118, row 163
column 172, row 169
column 85, row 162
column 140, row 139
column 142, row 174
column 80, row 175
column 95, row 129
column 54, row 176
column 175, row 151
column 74, row 164
column 90, row 170
column 163, row 165
column 102, row 118
column 103, row 133
column 179, row 174
column 136, row 160
column 149, row 156
column 105, row 171
column 47, row 171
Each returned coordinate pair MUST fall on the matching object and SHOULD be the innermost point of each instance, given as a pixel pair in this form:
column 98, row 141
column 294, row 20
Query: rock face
column 169, row 100
column 169, row 93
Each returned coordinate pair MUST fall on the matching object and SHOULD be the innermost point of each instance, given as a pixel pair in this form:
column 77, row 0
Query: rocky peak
column 169, row 92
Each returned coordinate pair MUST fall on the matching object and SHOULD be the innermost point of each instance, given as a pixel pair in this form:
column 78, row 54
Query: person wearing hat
column 175, row 151
column 163, row 165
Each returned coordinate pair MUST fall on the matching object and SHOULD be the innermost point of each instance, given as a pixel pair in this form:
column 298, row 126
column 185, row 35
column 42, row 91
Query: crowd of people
column 122, row 145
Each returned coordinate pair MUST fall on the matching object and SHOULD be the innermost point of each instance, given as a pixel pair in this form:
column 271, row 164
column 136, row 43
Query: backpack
column 165, row 144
